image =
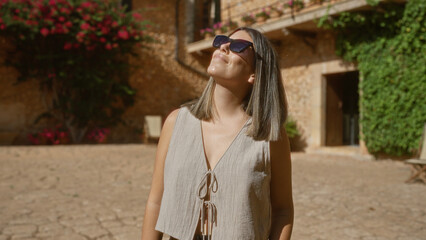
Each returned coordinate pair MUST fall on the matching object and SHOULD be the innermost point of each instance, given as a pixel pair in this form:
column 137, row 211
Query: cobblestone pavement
column 99, row 192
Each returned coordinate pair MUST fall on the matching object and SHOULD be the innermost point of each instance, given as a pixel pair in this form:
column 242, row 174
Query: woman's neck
column 228, row 104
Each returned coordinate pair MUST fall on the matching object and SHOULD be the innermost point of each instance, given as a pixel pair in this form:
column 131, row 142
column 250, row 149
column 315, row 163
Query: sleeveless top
column 239, row 186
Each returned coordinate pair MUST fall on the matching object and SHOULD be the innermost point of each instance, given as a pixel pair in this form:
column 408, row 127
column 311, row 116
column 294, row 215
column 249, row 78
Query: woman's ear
column 251, row 79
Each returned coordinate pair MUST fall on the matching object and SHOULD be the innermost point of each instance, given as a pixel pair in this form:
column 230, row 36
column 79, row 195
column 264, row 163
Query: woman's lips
column 221, row 57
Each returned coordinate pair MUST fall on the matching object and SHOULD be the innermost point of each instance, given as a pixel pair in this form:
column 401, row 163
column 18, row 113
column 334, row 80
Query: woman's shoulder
column 171, row 119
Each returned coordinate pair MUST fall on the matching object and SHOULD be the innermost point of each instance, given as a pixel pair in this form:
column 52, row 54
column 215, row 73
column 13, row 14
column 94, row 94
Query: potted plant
column 295, row 4
column 220, row 28
column 230, row 25
column 262, row 16
column 248, row 19
column 206, row 33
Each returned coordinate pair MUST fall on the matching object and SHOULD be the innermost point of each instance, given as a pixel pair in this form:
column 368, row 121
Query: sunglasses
column 236, row 45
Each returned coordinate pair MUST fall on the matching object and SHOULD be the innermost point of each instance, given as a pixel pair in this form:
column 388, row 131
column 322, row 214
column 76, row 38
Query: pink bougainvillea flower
column 123, row 34
column 86, row 5
column 137, row 16
column 67, row 46
column 52, row 2
column 65, row 10
column 80, row 36
column 33, row 140
column 44, row 32
column 90, row 48
column 104, row 30
column 85, row 26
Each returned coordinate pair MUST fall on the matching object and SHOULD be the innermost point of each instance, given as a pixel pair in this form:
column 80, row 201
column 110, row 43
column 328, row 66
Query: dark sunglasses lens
column 239, row 46
column 219, row 40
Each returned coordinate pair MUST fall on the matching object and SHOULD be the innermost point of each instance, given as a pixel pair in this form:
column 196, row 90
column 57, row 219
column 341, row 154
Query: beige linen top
column 239, row 185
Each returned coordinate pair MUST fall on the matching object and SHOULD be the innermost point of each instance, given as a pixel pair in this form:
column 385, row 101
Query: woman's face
column 231, row 66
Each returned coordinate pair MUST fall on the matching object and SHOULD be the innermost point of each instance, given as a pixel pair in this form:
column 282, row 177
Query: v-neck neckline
column 206, row 163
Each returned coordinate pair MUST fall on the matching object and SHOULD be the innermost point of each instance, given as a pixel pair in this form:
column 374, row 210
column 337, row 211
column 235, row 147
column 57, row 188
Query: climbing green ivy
column 388, row 44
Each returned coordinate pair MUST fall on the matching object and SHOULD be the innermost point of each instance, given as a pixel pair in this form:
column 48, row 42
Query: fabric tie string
column 207, row 185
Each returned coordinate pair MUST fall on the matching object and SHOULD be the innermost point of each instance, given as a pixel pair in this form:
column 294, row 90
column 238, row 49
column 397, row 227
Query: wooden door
column 334, row 112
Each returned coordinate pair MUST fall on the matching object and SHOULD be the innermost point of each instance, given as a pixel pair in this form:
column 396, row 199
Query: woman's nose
column 225, row 47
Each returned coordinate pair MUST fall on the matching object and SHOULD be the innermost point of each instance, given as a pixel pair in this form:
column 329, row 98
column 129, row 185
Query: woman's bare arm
column 281, row 189
column 152, row 207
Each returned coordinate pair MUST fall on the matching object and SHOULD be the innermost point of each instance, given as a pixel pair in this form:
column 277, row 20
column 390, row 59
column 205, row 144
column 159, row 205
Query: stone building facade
column 322, row 90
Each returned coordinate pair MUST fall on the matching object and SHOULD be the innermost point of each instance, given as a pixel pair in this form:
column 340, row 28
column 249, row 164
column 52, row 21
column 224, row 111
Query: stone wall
column 20, row 103
column 163, row 83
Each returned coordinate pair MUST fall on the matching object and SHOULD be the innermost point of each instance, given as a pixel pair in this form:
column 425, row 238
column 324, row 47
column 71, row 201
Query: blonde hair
column 265, row 103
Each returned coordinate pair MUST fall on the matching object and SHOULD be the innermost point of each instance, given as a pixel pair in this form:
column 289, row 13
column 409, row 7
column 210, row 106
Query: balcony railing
column 303, row 19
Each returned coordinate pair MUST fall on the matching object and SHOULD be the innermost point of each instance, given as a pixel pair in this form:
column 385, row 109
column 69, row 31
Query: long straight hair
column 266, row 102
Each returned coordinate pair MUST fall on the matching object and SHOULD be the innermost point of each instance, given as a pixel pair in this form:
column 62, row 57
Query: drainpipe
column 177, row 42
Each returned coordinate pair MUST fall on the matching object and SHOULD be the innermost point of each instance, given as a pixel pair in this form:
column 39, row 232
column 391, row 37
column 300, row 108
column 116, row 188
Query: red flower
column 102, row 40
column 61, row 19
column 108, row 46
column 80, row 36
column 114, row 24
column 123, row 34
column 65, row 10
column 44, row 32
column 68, row 24
column 84, row 26
column 86, row 17
column 86, row 5
column 2, row 27
column 90, row 48
column 137, row 16
column 52, row 2
column 104, row 30
column 67, row 46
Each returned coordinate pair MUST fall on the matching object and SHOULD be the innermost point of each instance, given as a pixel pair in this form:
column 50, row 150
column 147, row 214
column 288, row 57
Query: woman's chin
column 212, row 70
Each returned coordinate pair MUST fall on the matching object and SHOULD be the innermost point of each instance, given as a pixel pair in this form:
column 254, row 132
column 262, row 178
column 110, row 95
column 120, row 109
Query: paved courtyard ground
column 99, row 192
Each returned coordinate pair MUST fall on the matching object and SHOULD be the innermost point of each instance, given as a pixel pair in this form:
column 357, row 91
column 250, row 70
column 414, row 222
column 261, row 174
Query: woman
column 223, row 168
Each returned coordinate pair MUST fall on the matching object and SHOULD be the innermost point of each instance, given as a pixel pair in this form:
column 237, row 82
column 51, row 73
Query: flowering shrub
column 98, row 135
column 206, row 31
column 57, row 135
column 77, row 50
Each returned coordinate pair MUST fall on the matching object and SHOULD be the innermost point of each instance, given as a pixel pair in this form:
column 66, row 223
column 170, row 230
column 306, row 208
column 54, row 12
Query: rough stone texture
column 100, row 193
column 162, row 83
